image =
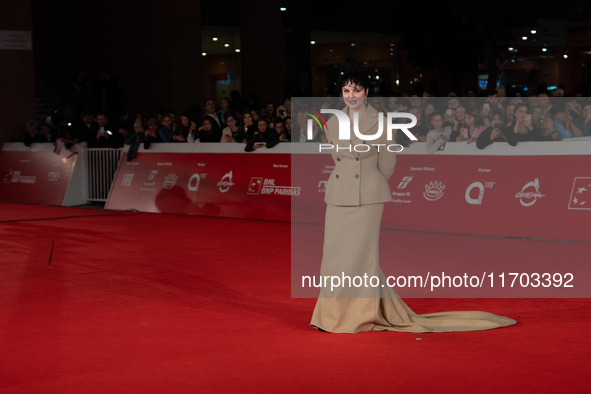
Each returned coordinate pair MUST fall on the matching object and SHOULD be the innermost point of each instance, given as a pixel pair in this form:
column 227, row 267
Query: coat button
column 357, row 158
column 356, row 175
column 365, row 142
column 338, row 159
column 337, row 176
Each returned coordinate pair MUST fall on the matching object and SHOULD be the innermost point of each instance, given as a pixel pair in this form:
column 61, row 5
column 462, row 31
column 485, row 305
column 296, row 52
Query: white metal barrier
column 102, row 166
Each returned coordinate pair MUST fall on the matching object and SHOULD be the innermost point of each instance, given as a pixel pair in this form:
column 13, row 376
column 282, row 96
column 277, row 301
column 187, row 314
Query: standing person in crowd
column 151, row 134
column 509, row 113
column 256, row 137
column 495, row 132
column 193, row 135
column 210, row 112
column 563, row 122
column 439, row 134
column 458, row 121
column 208, row 132
column 584, row 121
column 472, row 129
column 287, row 122
column 247, row 124
column 224, row 110
column 184, row 126
column 544, row 131
column 424, row 126
column 102, row 137
column 85, row 128
column 268, row 113
column 165, row 133
column 46, row 133
column 31, row 132
column 232, row 132
column 522, row 126
column 278, row 134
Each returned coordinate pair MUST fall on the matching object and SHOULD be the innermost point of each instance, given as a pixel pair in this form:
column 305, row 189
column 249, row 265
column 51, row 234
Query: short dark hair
column 356, row 77
column 556, row 109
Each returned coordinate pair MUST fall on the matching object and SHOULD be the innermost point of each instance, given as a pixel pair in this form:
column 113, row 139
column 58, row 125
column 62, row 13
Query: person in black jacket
column 278, row 135
column 256, row 138
column 496, row 133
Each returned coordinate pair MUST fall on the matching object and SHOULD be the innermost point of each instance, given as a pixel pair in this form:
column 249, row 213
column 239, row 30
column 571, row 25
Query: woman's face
column 497, row 120
column 354, row 96
column 247, row 119
column 520, row 113
column 231, row 121
column 509, row 111
column 288, row 124
column 460, row 113
column 453, row 103
column 207, row 125
column 262, row 126
column 469, row 120
column 437, row 122
column 429, row 109
column 184, row 120
column 166, row 121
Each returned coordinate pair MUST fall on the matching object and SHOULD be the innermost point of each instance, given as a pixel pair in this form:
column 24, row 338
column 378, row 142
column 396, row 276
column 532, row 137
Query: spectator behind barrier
column 151, row 134
column 439, row 134
column 563, row 122
column 208, row 132
column 31, row 132
column 233, row 132
column 495, row 132
column 256, row 137
column 472, row 129
column 278, row 134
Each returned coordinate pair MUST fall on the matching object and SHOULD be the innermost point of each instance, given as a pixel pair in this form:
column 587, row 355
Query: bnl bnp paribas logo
column 370, row 135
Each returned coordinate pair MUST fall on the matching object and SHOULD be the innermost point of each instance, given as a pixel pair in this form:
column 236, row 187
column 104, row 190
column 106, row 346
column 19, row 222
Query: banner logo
column 433, row 191
column 405, row 181
column 580, row 197
column 127, row 178
column 477, row 200
column 226, row 183
column 267, row 186
column 530, row 193
column 169, row 181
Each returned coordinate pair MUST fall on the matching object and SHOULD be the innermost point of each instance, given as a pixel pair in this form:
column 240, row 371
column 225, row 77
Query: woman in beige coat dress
column 355, row 195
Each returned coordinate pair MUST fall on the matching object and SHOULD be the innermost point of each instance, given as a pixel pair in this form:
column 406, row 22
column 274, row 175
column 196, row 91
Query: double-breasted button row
column 337, row 176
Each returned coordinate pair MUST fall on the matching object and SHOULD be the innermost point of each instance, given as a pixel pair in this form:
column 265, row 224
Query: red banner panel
column 35, row 177
column 520, row 196
column 212, row 184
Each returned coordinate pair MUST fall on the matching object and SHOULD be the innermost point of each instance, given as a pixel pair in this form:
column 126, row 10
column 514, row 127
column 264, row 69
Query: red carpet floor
column 142, row 303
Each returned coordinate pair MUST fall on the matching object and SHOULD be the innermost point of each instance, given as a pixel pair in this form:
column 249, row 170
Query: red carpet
column 140, row 303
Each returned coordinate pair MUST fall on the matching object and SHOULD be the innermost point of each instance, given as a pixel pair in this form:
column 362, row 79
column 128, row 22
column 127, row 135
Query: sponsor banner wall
column 36, row 175
column 213, row 184
column 519, row 196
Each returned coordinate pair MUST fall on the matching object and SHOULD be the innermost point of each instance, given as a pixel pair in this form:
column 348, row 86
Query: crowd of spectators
column 468, row 119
